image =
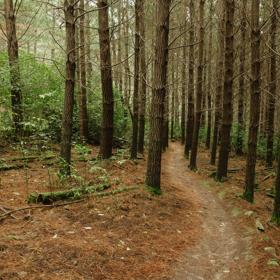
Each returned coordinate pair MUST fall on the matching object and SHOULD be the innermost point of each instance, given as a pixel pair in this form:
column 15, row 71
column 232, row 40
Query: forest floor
column 197, row 229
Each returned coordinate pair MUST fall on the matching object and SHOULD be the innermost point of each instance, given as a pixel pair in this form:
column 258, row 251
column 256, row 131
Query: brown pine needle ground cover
column 133, row 235
column 265, row 244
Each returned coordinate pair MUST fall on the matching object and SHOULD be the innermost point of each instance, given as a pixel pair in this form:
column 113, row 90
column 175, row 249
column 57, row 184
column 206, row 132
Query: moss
column 74, row 194
column 248, row 196
column 276, row 218
column 154, row 190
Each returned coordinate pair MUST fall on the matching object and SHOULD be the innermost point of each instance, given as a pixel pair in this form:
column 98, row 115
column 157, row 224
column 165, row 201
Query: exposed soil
column 198, row 228
column 220, row 252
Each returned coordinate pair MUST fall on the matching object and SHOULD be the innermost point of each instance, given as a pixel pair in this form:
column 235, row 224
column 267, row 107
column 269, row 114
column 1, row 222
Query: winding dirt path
column 221, row 251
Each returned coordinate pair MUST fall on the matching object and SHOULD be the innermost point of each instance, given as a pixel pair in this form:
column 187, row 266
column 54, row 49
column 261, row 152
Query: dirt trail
column 220, row 252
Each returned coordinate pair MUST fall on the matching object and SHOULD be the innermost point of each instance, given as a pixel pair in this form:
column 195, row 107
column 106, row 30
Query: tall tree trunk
column 119, row 46
column 272, row 86
column 199, row 92
column 127, row 81
column 219, row 86
column 83, row 113
column 133, row 152
column 209, row 82
column 158, row 94
column 88, row 51
column 165, row 130
column 228, row 91
column 172, row 90
column 15, row 81
column 276, row 211
column 254, row 101
column 67, row 120
column 143, row 76
column 184, row 85
column 240, row 128
column 190, row 114
column 106, row 80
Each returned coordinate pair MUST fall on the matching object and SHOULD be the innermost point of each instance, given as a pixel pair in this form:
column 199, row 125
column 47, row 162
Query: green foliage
column 43, row 95
column 154, row 190
column 42, row 89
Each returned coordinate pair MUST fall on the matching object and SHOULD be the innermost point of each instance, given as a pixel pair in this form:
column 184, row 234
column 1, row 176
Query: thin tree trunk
column 240, row 128
column 15, row 80
column 67, row 120
column 228, row 91
column 83, row 93
column 276, row 211
column 184, row 85
column 143, row 77
column 199, row 92
column 133, row 152
column 254, row 102
column 172, row 90
column 190, row 114
column 272, row 86
column 219, row 87
column 158, row 95
column 88, row 52
column 209, row 83
column 119, row 46
column 106, row 80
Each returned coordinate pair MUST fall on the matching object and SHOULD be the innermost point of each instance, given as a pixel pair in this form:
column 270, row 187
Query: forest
column 139, row 139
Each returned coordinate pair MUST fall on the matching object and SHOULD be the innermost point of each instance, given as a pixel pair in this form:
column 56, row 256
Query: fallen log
column 51, row 206
column 72, row 194
column 7, row 167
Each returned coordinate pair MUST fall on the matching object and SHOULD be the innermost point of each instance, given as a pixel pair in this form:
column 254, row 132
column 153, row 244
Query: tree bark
column 228, row 91
column 83, row 113
column 184, row 85
column 199, row 92
column 67, row 120
column 190, row 113
column 158, row 95
column 272, row 86
column 106, row 80
column 240, row 128
column 276, row 211
column 143, row 76
column 15, row 79
column 133, row 152
column 254, row 101
column 209, row 82
column 219, row 86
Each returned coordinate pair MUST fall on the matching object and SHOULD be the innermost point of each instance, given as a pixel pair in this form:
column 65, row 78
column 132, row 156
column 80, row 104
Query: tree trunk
column 254, row 101
column 106, row 80
column 228, row 91
column 276, row 211
column 158, row 94
column 88, row 52
column 172, row 90
column 219, row 88
column 83, row 114
column 143, row 76
column 272, row 86
column 190, row 114
column 209, row 83
column 240, row 128
column 67, row 120
column 184, row 85
column 15, row 80
column 133, row 152
column 199, row 92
